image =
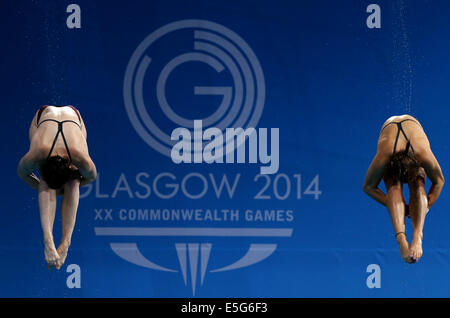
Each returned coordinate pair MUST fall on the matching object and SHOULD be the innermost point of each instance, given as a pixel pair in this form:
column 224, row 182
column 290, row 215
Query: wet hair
column 56, row 172
column 404, row 166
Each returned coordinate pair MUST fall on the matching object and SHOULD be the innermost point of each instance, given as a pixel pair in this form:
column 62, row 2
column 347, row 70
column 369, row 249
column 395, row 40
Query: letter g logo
column 214, row 45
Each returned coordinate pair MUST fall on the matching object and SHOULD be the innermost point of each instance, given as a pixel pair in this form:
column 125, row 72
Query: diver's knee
column 395, row 187
column 417, row 178
column 395, row 194
column 72, row 183
column 417, row 183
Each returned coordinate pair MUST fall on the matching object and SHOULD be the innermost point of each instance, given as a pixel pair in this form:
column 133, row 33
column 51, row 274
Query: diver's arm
column 83, row 128
column 33, row 126
column 87, row 170
column 25, row 171
column 28, row 164
column 373, row 179
column 434, row 173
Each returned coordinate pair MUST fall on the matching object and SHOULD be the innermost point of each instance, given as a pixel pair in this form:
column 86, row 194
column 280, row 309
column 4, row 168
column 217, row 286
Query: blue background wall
column 330, row 84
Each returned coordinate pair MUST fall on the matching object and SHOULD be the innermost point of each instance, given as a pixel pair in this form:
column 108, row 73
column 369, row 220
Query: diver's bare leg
column 396, row 208
column 418, row 208
column 47, row 208
column 69, row 208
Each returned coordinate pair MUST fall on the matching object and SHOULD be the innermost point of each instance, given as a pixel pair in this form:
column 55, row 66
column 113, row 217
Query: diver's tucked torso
column 410, row 126
column 42, row 133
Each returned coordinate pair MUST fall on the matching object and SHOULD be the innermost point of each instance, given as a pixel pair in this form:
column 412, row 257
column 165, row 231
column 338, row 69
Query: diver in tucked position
column 62, row 170
column 404, row 156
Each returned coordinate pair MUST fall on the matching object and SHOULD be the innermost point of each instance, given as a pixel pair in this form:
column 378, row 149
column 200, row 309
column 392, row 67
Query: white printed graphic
column 197, row 234
column 73, row 21
column 219, row 48
column 213, row 151
column 374, row 279
column 194, row 256
column 374, row 19
column 74, row 279
column 148, row 91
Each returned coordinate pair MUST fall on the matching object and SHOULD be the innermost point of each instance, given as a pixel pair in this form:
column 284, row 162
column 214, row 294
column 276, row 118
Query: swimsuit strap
column 60, row 130
column 408, row 119
column 56, row 137
column 64, row 139
column 397, row 122
column 400, row 129
column 41, row 110
column 71, row 121
column 47, row 120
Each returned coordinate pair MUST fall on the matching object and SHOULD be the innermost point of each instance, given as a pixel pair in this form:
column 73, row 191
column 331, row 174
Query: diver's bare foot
column 415, row 251
column 404, row 248
column 51, row 255
column 62, row 251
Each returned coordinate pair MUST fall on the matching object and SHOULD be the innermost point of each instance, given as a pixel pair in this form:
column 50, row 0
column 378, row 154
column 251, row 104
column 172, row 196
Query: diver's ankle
column 48, row 241
column 65, row 243
column 418, row 237
column 401, row 237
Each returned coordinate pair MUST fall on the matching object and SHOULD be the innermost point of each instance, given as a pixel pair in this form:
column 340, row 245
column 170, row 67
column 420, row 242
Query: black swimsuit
column 60, row 129
column 400, row 129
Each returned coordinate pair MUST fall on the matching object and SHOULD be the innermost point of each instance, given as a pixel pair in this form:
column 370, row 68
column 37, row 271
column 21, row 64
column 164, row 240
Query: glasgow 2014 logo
column 240, row 108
